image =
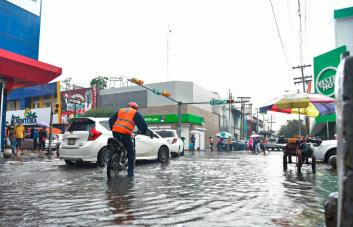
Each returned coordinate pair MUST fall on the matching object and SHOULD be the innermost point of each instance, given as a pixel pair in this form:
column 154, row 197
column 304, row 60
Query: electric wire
column 300, row 34
column 279, row 35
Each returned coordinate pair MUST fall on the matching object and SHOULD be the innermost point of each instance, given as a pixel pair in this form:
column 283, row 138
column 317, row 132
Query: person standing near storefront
column 20, row 135
column 192, row 140
column 10, row 133
column 42, row 138
column 35, row 138
column 210, row 140
column 229, row 143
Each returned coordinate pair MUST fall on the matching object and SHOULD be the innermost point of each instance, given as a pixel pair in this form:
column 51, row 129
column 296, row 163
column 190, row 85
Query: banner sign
column 325, row 66
column 77, row 102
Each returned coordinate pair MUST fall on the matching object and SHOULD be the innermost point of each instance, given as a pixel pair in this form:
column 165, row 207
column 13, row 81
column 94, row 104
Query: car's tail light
column 174, row 140
column 93, row 134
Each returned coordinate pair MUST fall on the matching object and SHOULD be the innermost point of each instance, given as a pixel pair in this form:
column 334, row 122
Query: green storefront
column 173, row 119
column 325, row 66
column 191, row 124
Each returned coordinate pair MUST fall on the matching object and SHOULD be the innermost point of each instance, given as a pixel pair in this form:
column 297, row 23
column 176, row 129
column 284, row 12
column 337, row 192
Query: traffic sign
column 218, row 101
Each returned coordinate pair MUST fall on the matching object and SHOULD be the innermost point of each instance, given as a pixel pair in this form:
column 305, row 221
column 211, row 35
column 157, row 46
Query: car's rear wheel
column 163, row 154
column 73, row 163
column 103, row 157
column 329, row 154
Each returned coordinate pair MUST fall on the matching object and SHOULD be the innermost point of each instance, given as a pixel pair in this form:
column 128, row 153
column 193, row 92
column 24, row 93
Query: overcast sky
column 218, row 44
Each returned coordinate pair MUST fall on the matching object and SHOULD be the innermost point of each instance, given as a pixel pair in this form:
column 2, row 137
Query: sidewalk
column 28, row 155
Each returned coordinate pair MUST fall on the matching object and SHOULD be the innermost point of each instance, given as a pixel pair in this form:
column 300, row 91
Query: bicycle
column 117, row 160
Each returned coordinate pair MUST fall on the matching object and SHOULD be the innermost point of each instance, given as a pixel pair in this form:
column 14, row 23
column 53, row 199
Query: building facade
column 202, row 120
column 325, row 66
column 32, row 105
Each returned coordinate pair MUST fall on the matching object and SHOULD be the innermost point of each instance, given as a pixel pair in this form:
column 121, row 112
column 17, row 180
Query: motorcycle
column 117, row 160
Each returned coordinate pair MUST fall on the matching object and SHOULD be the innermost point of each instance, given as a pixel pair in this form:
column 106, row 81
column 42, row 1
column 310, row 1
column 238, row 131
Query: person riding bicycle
column 122, row 125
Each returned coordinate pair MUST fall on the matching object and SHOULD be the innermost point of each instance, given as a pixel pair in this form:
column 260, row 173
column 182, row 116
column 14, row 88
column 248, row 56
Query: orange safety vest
column 124, row 123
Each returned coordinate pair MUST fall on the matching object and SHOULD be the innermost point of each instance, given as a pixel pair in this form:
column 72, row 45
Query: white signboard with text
column 31, row 116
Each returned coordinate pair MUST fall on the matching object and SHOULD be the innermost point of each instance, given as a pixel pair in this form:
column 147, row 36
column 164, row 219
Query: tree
column 291, row 128
column 100, row 82
column 100, row 112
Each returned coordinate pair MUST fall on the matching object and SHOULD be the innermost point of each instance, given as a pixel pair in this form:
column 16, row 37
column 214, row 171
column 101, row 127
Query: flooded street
column 199, row 189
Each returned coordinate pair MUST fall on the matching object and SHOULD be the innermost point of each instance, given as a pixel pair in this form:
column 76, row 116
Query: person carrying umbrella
column 42, row 138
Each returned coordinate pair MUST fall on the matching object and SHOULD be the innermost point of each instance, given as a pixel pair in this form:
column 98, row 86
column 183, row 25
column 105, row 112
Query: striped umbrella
column 311, row 105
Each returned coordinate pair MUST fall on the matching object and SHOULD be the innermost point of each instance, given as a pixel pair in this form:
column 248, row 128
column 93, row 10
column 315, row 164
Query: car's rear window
column 272, row 140
column 166, row 134
column 81, row 125
column 105, row 124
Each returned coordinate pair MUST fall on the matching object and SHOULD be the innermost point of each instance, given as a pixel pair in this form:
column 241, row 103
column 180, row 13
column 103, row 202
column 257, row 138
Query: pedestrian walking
column 229, row 143
column 10, row 133
column 210, row 141
column 20, row 135
column 35, row 138
column 192, row 140
column 42, row 138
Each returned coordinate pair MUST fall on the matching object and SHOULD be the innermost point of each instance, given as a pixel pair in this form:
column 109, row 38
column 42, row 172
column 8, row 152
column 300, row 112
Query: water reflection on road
column 199, row 189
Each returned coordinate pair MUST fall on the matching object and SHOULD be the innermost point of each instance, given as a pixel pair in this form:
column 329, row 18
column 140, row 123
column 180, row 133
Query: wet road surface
column 199, row 189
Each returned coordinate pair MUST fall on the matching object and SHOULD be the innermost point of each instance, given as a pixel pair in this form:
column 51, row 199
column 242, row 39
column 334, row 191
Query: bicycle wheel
column 114, row 167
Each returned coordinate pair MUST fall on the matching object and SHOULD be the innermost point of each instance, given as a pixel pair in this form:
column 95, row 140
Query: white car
column 325, row 150
column 55, row 141
column 86, row 141
column 176, row 144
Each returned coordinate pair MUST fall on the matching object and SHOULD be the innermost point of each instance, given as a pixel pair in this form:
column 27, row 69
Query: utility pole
column 229, row 106
column 257, row 120
column 50, row 125
column 271, row 121
column 303, row 80
column 169, row 31
column 242, row 100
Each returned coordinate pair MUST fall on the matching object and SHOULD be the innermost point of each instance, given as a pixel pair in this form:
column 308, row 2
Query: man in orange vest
column 122, row 124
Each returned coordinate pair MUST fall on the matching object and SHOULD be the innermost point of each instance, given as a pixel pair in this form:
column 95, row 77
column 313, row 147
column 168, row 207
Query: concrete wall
column 119, row 100
column 211, row 120
column 343, row 33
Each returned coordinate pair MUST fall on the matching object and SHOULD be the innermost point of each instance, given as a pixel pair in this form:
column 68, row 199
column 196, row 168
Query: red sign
column 85, row 99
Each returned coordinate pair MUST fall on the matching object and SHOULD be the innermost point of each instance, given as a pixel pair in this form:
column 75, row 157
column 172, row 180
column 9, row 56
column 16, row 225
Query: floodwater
column 199, row 189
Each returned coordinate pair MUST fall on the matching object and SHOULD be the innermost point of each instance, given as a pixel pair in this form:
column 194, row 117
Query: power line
column 300, row 33
column 279, row 35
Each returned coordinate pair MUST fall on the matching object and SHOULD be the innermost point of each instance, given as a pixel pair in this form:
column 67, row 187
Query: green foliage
column 291, row 128
column 100, row 82
column 101, row 112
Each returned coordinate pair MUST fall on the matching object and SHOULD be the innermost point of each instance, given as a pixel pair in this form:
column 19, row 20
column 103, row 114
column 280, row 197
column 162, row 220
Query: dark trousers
column 41, row 144
column 127, row 141
column 35, row 143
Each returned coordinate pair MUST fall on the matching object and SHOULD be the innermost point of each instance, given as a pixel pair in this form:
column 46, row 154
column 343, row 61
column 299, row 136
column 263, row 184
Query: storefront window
column 35, row 103
column 47, row 101
column 13, row 105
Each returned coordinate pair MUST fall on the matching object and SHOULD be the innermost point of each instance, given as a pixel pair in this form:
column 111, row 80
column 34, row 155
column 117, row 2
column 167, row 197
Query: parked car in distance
column 272, row 144
column 176, row 144
column 325, row 150
column 55, row 141
column 238, row 145
column 86, row 141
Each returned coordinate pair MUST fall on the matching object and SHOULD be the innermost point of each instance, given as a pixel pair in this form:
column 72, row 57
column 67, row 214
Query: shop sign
column 325, row 66
column 325, row 81
column 29, row 118
column 153, row 119
column 173, row 118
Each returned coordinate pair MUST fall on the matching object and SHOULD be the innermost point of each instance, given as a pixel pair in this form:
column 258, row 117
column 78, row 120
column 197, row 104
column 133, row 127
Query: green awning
column 327, row 118
column 173, row 118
